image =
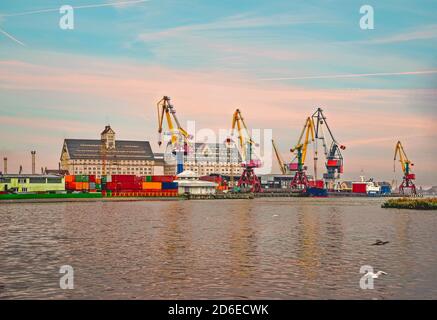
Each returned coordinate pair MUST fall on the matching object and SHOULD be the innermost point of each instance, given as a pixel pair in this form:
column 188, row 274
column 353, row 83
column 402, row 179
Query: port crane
column 179, row 136
column 248, row 178
column 408, row 178
column 300, row 180
column 334, row 158
column 282, row 165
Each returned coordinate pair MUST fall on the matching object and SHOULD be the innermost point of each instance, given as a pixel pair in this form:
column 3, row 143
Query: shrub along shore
column 412, row 203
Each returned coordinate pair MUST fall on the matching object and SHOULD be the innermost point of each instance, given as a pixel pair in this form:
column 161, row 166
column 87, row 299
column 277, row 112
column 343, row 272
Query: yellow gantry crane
column 248, row 179
column 300, row 180
column 406, row 164
column 179, row 136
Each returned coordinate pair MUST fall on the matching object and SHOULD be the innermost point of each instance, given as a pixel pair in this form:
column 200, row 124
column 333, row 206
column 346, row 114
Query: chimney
column 59, row 166
column 42, row 170
column 5, row 165
column 21, row 169
column 33, row 161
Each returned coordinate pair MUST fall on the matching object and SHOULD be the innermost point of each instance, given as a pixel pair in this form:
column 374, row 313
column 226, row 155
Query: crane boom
column 165, row 108
column 403, row 159
column 243, row 134
column 281, row 163
column 302, row 146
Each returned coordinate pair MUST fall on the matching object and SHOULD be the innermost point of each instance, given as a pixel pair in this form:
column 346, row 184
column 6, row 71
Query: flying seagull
column 380, row 243
column 375, row 275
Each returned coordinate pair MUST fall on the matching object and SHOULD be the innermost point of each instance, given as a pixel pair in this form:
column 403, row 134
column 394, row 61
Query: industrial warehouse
column 118, row 168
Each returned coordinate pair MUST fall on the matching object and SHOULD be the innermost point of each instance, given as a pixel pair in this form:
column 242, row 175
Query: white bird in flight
column 375, row 275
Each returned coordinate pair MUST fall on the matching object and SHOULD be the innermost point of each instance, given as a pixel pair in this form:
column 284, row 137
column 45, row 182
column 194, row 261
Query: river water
column 286, row 248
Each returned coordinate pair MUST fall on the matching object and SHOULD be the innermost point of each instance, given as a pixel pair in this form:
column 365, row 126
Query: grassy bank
column 20, row 196
column 412, row 203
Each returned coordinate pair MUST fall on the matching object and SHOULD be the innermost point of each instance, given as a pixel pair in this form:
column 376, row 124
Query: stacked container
column 124, row 185
column 80, row 183
column 161, row 186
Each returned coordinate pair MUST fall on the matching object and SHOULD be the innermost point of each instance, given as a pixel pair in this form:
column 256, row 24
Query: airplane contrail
column 12, row 37
column 120, row 3
column 356, row 75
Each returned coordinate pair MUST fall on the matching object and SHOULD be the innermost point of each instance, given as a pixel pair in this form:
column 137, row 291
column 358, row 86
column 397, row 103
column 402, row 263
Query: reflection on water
column 236, row 249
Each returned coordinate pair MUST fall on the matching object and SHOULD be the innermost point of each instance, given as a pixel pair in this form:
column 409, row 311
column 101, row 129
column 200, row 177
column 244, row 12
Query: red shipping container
column 111, row 186
column 70, row 185
column 123, row 178
column 92, row 178
column 163, row 178
column 358, row 187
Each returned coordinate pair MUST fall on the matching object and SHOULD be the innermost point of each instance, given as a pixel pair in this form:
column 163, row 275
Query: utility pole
column 33, row 153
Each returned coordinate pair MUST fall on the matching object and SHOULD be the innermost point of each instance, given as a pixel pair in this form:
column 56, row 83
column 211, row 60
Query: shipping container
column 82, row 178
column 106, row 178
column 123, row 178
column 152, row 185
column 359, row 187
column 111, row 186
column 69, row 178
column 70, row 185
column 148, row 179
column 92, row 178
column 169, row 185
column 162, row 178
column 385, row 189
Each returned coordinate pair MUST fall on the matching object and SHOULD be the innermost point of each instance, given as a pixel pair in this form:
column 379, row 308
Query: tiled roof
column 124, row 150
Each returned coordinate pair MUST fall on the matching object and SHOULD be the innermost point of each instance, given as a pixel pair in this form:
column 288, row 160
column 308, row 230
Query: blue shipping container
column 385, row 189
column 169, row 185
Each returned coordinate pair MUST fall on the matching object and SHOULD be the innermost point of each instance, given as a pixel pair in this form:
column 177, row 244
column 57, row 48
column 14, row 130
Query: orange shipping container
column 152, row 185
column 69, row 178
column 85, row 185
column 79, row 185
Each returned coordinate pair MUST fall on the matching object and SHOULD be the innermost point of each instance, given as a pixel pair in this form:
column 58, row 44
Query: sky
column 278, row 61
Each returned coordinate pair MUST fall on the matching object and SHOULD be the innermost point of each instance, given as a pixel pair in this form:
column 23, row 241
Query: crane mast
column 408, row 178
column 179, row 136
column 300, row 180
column 248, row 178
